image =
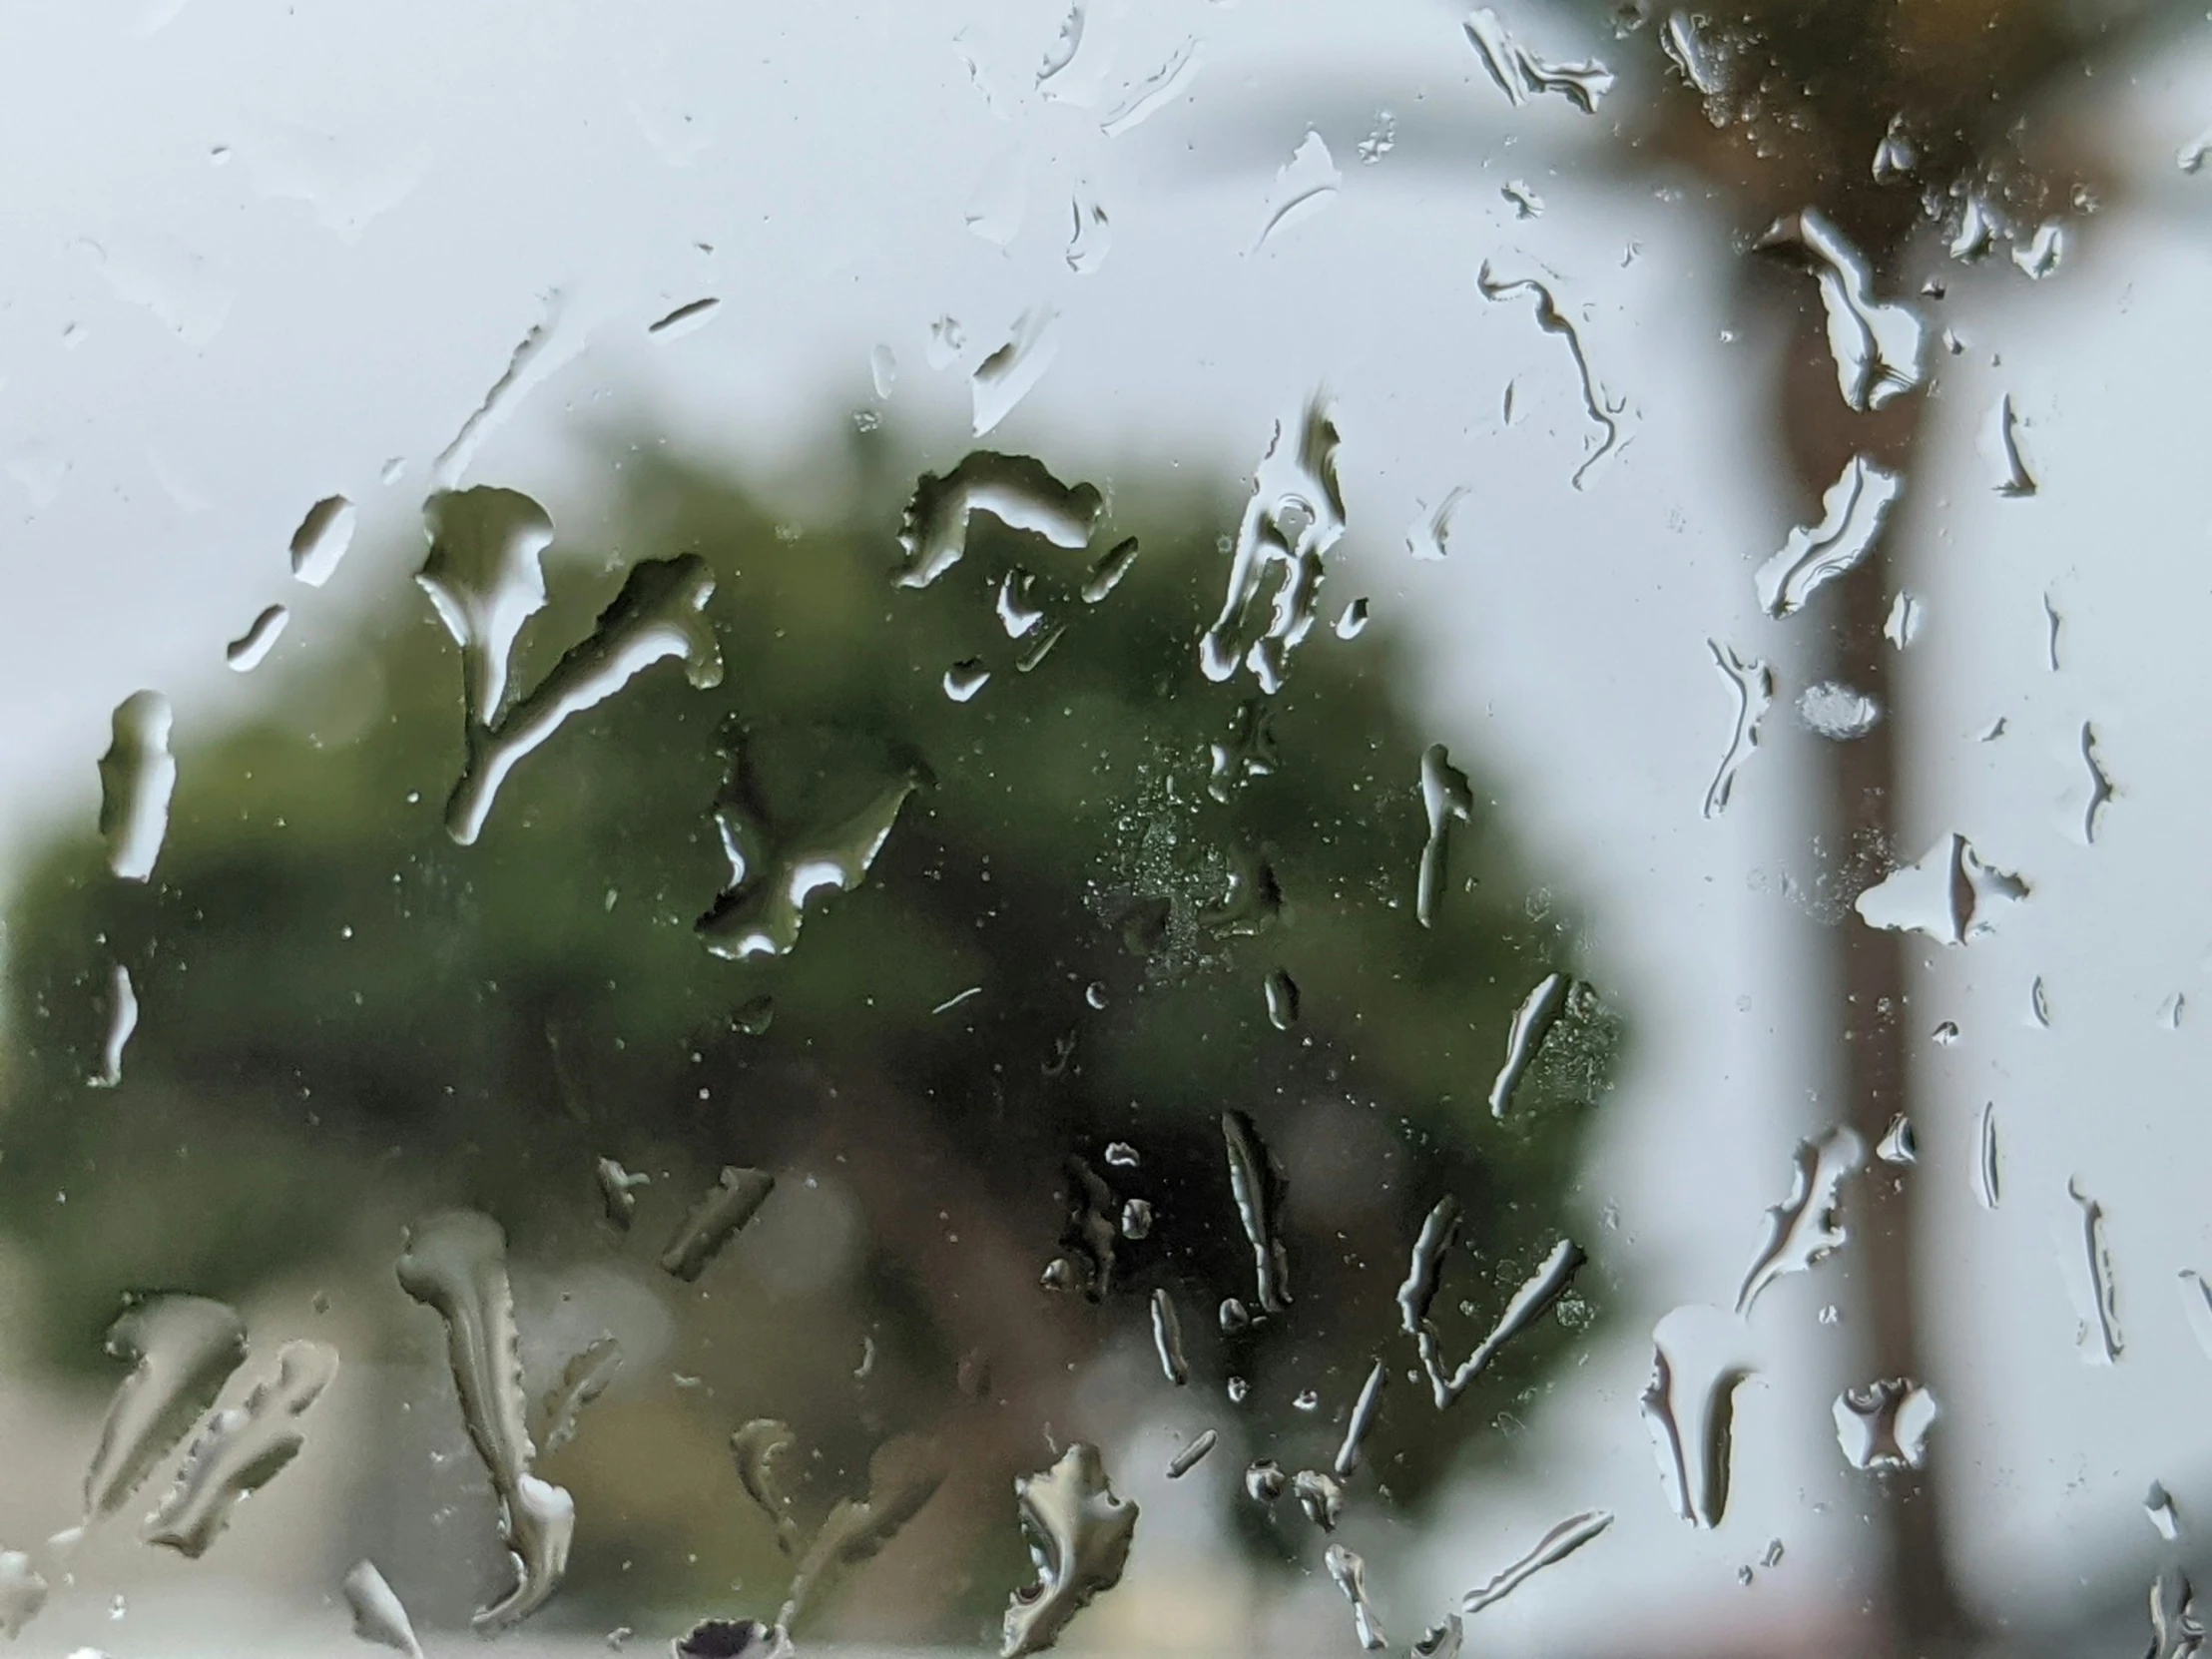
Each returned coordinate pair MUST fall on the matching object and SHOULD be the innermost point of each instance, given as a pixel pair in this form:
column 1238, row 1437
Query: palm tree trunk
column 1859, row 801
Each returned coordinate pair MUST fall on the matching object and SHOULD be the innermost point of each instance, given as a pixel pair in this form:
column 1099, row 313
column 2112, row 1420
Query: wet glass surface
column 1198, row 828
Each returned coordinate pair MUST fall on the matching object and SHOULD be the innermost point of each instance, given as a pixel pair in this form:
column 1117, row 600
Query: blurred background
column 1527, row 335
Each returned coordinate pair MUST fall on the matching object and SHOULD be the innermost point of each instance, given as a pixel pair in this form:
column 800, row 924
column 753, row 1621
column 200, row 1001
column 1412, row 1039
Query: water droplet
column 1354, row 620
column 2175, row 1632
column 455, row 1263
column 1807, row 1225
column 1445, row 796
column 1527, row 204
column 1903, row 626
column 181, row 1348
column 1079, row 1535
column 583, row 1379
column 763, row 904
column 1838, row 712
column 2000, row 442
column 948, row 339
column 1017, row 491
column 321, row 539
column 1521, row 74
column 1282, row 999
column 2196, row 1307
column 618, row 1192
column 1321, row 1495
column 2170, row 1012
column 22, row 1592
column 2100, row 786
column 1885, row 1425
column 244, row 653
column 1136, row 1219
column 2191, row 157
column 242, row 1450
column 1440, row 1641
column 1418, row 1292
column 1895, row 155
column 1147, row 97
column 534, row 357
column 1985, row 1163
column 1381, row 137
column 1604, row 413
column 1107, row 573
column 734, row 1199
column 1248, row 752
column 686, row 319
column 1430, row 536
column 1167, row 1338
column 137, row 774
column 1018, row 612
column 1750, row 685
column 1191, row 1455
column 1233, row 1315
column 656, row 617
column 1876, row 346
column 1977, row 232
column 2040, row 255
column 485, row 579
column 1682, row 40
column 1528, row 1303
column 1304, row 185
column 1947, row 894
column 1811, row 556
column 1307, row 1399
column 1040, row 648
column 965, row 677
column 882, row 369
column 2158, row 1507
column 1004, row 377
column 1350, row 1574
column 378, row 1614
column 1363, row 1412
column 123, row 1018
column 756, row 1448
column 730, row 1639
column 1699, row 1357
column 1294, row 516
column 2038, row 1003
column 1263, row 1481
column 1899, row 1145
column 1554, row 1547
column 1088, row 1237
column 1532, row 1021
column 1256, row 1182
column 2102, row 1342
column 1238, row 1390
column 1091, row 233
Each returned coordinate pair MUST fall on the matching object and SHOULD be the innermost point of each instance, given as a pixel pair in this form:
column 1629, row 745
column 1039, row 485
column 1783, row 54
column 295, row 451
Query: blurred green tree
column 349, row 1019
